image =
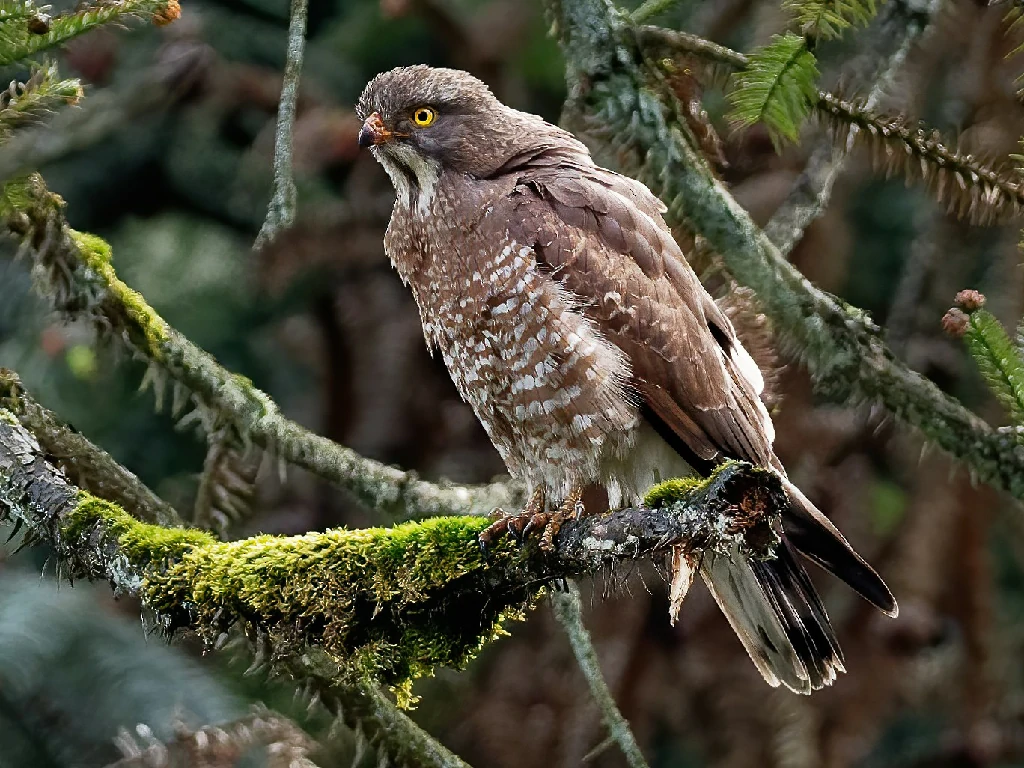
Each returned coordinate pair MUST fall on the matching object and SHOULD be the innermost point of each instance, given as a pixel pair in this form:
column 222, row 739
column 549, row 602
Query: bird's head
column 418, row 120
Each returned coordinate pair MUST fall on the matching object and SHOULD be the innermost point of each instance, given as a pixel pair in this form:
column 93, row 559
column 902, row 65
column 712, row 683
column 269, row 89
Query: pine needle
column 778, row 87
column 828, row 19
column 999, row 361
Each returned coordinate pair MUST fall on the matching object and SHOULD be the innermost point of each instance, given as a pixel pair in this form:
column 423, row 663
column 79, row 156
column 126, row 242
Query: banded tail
column 775, row 610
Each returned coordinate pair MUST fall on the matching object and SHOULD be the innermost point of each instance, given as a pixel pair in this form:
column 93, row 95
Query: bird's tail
column 775, row 610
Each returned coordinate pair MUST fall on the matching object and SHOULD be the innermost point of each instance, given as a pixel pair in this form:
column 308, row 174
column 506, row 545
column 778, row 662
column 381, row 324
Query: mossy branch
column 76, row 274
column 358, row 703
column 24, row 34
column 383, row 604
column 633, row 123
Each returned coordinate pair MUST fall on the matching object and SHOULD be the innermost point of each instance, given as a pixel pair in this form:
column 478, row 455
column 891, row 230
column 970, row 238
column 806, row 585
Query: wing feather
column 602, row 236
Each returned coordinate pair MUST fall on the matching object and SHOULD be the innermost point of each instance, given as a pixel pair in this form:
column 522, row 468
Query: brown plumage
column 572, row 324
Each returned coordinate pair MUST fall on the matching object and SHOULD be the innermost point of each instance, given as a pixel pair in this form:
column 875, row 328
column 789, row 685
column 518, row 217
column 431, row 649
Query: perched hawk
column 570, row 321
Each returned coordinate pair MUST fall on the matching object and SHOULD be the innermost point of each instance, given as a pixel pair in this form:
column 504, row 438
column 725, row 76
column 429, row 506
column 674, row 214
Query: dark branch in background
column 633, row 121
column 971, row 189
column 569, row 612
column 178, row 68
column 281, row 212
column 78, row 278
column 343, row 609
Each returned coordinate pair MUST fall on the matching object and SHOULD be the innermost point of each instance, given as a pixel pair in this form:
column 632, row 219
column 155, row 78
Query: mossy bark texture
column 384, row 604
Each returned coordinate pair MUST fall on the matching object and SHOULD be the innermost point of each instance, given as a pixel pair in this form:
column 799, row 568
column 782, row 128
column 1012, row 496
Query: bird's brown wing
column 603, row 237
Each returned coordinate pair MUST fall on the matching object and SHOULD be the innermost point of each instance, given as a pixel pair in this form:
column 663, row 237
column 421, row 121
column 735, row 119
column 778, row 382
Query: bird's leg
column 571, row 509
column 533, row 515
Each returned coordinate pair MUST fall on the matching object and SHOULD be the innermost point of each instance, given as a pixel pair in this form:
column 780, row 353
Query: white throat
column 419, row 196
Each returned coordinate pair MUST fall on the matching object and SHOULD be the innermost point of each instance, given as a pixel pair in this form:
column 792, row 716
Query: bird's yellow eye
column 424, row 116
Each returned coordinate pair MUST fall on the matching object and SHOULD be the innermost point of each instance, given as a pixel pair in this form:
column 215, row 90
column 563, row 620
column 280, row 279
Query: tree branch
column 78, row 278
column 281, row 212
column 378, row 604
column 634, row 123
column 807, row 200
column 569, row 613
column 970, row 188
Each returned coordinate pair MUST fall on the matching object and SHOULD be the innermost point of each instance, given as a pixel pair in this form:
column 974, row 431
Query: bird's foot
column 517, row 525
column 571, row 509
column 535, row 518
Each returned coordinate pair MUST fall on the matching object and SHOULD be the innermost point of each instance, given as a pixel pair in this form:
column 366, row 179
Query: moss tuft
column 97, row 255
column 142, row 543
column 393, row 603
column 671, row 491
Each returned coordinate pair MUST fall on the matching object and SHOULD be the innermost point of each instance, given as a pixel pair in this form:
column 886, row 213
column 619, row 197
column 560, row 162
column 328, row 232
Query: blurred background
column 174, row 169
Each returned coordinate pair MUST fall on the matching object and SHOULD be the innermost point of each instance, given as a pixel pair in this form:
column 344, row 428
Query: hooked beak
column 373, row 132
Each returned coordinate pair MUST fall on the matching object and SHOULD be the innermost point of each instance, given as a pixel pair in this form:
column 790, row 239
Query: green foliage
column 999, row 361
column 28, row 101
column 24, row 32
column 828, row 19
column 778, row 87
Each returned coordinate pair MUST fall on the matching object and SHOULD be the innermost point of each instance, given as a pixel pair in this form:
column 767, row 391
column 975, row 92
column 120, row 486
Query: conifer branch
column 632, row 122
column 778, row 87
column 20, row 38
column 29, row 101
column 999, row 359
column 569, row 612
column 281, row 212
column 282, row 742
column 971, row 189
column 86, row 465
column 811, row 193
column 828, row 19
column 79, row 279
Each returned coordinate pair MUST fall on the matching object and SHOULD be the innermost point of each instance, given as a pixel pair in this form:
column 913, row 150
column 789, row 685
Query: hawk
column 571, row 322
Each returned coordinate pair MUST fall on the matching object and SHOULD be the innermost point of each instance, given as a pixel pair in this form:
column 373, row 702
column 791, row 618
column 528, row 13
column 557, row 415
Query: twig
column 810, row 194
column 281, row 212
column 568, row 611
column 80, row 281
column 649, row 9
column 635, row 123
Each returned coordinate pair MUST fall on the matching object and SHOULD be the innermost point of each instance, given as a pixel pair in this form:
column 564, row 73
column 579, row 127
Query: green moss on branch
column 384, row 604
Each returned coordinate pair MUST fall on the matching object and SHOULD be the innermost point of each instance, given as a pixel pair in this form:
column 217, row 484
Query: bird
column 571, row 322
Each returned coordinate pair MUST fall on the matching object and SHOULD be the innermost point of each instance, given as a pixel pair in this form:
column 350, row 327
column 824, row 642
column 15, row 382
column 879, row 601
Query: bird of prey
column 571, row 322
